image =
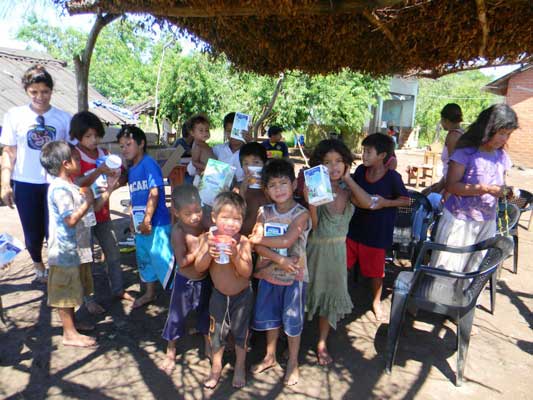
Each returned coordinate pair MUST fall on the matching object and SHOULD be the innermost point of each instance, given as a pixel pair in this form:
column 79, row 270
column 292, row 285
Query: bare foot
column 378, row 313
column 208, row 352
column 168, row 365
column 267, row 363
column 212, row 380
column 94, row 308
column 239, row 378
column 323, row 356
column 143, row 300
column 79, row 341
column 124, row 296
column 292, row 375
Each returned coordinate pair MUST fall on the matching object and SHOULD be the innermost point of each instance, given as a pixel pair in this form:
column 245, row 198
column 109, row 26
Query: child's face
column 335, row 165
column 90, row 139
column 129, row 147
column 371, row 158
column 189, row 214
column 251, row 160
column 73, row 166
column 228, row 220
column 200, row 132
column 281, row 189
column 227, row 130
column 499, row 139
column 276, row 138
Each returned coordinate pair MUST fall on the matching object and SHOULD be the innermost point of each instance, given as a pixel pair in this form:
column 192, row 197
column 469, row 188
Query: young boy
column 192, row 289
column 370, row 232
column 87, row 129
column 201, row 152
column 151, row 218
column 282, row 266
column 252, row 157
column 227, row 256
column 274, row 145
column 67, row 205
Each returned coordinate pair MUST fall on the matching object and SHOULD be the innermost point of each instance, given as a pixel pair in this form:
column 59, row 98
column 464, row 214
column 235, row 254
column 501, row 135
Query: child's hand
column 112, row 182
column 289, row 264
column 231, row 250
column 145, row 227
column 379, row 203
column 212, row 246
column 256, row 236
column 346, row 177
column 87, row 194
column 103, row 169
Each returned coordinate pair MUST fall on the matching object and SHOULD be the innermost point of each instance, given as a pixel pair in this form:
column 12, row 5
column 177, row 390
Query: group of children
column 211, row 255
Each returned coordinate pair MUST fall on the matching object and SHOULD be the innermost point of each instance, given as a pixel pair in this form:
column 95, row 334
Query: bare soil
column 35, row 365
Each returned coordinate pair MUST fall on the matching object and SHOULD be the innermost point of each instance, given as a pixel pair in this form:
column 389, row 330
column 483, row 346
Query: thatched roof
column 426, row 37
column 13, row 64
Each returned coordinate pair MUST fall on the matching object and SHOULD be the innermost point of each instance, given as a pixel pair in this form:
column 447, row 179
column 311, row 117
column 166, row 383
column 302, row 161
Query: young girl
column 87, row 129
column 326, row 249
column 475, row 180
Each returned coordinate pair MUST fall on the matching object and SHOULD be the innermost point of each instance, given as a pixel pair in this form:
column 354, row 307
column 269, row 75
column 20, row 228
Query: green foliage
column 463, row 88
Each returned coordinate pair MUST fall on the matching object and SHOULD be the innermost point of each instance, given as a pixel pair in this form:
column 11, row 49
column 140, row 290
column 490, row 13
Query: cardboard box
column 217, row 178
column 240, row 125
column 318, row 185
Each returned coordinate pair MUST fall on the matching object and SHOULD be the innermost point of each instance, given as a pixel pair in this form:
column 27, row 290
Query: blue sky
column 9, row 25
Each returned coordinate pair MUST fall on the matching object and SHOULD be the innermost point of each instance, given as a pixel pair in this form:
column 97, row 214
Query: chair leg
column 515, row 254
column 464, row 328
column 397, row 312
column 493, row 281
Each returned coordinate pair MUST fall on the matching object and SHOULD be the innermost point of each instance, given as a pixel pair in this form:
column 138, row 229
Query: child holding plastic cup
column 228, row 256
column 252, row 157
column 96, row 164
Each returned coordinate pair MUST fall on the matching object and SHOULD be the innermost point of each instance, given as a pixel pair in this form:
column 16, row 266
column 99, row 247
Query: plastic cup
column 222, row 243
column 255, row 177
column 113, row 161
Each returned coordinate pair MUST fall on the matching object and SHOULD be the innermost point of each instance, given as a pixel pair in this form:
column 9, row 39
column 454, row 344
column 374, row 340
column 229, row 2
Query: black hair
column 135, row 133
column 37, row 74
column 274, row 130
column 82, row 122
column 253, row 149
column 327, row 145
column 488, row 122
column 382, row 143
column 53, row 154
column 198, row 119
column 183, row 195
column 186, row 129
column 229, row 198
column 277, row 168
column 228, row 119
column 452, row 112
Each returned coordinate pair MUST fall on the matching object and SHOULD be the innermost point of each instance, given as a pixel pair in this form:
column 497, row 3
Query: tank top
column 268, row 270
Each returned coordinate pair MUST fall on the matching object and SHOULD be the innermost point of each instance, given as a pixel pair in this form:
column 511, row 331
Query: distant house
column 517, row 87
column 13, row 64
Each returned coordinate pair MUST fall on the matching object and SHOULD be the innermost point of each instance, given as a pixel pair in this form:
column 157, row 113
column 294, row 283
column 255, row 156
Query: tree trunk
column 83, row 62
column 270, row 105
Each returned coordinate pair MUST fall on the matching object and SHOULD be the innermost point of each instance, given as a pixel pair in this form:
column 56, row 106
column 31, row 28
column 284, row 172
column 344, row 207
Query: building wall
column 520, row 98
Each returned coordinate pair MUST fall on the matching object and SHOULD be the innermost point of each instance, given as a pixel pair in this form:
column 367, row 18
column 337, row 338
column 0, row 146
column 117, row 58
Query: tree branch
column 267, row 111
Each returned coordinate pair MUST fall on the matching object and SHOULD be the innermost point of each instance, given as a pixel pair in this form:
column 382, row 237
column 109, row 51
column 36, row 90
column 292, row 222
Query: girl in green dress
column 326, row 249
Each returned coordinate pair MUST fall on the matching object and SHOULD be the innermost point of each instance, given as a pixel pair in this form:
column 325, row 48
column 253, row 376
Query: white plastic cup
column 113, row 161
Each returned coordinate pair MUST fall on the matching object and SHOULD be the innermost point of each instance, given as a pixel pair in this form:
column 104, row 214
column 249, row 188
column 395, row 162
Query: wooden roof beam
column 322, row 7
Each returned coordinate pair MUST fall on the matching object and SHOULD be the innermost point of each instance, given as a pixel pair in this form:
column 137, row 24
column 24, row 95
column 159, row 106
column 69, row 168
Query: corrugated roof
column 13, row 64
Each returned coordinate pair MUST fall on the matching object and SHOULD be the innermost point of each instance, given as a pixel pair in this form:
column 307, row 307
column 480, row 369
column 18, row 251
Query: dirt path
column 35, row 365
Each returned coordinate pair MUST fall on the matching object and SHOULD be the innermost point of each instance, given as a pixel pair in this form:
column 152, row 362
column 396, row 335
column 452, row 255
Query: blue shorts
column 187, row 295
column 280, row 306
column 155, row 258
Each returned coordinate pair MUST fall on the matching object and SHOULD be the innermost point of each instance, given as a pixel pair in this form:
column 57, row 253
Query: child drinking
column 475, row 181
column 192, row 289
column 201, row 152
column 149, row 212
column 282, row 266
column 252, row 157
column 68, row 281
column 227, row 256
column 87, row 129
column 326, row 249
column 370, row 232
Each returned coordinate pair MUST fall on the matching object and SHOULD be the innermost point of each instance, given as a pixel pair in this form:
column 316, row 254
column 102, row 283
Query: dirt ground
column 35, row 365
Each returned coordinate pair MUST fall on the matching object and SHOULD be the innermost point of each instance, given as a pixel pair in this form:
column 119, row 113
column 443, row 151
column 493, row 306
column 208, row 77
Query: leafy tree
column 463, row 88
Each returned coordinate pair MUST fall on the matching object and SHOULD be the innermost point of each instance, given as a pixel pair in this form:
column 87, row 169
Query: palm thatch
column 410, row 37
